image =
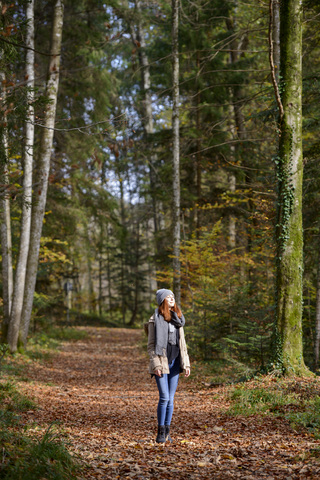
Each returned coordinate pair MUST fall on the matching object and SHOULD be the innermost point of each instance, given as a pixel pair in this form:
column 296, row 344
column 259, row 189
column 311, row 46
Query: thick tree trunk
column 288, row 326
column 44, row 167
column 6, row 240
column 176, row 151
column 20, row 276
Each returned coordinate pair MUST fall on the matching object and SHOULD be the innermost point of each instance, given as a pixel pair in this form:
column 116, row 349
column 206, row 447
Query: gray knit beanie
column 162, row 294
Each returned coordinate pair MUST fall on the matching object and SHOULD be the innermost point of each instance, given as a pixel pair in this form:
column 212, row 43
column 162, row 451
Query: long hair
column 164, row 310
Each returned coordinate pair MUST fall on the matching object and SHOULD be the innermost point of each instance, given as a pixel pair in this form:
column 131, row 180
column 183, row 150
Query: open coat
column 160, row 362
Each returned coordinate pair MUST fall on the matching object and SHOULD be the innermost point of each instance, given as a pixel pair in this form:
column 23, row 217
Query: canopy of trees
column 164, row 145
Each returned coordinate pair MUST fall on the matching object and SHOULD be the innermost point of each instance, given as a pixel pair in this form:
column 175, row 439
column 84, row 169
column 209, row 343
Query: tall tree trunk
column 137, row 278
column 6, row 239
column 20, row 276
column 123, row 241
column 198, row 153
column 100, row 299
column 238, row 104
column 232, row 218
column 176, row 151
column 44, row 167
column 108, row 268
column 148, row 124
column 91, row 293
column 288, row 325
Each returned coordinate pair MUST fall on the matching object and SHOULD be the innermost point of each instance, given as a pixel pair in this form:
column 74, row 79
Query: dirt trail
column 104, row 402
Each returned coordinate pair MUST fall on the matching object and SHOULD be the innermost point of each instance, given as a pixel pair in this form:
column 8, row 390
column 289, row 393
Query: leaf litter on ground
column 99, row 394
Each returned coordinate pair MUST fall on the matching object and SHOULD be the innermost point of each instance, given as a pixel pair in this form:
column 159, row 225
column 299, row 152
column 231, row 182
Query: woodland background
column 108, row 228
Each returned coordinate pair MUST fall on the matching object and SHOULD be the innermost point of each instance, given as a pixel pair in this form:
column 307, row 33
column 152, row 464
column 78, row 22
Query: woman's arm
column 155, row 361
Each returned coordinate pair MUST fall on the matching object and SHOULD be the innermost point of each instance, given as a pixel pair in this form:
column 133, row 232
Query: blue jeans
column 167, row 386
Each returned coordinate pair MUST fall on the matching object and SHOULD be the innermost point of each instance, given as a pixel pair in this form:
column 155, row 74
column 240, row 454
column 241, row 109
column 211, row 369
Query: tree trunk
column 100, row 299
column 317, row 326
column 137, row 278
column 6, row 239
column 232, row 218
column 91, row 293
column 20, row 276
column 289, row 164
column 123, row 241
column 148, row 128
column 198, row 153
column 44, row 167
column 276, row 36
column 176, row 151
column 108, row 269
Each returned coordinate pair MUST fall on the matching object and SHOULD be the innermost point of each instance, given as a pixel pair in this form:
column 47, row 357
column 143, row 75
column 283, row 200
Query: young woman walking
column 168, row 356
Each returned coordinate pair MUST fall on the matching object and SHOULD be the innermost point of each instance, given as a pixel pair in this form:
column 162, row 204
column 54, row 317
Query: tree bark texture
column 6, row 239
column 289, row 168
column 176, row 151
column 44, row 167
column 20, row 275
column 276, row 37
column 317, row 326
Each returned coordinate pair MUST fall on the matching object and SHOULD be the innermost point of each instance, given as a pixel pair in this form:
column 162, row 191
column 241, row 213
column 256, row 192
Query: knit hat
column 162, row 294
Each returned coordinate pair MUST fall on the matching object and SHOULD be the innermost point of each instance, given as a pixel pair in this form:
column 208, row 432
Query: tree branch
column 29, row 48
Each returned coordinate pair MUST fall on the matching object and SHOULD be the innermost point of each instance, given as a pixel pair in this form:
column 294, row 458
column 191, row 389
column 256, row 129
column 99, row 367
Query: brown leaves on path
column 100, row 394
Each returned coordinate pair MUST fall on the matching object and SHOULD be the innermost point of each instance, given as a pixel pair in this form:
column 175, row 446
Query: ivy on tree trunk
column 289, row 171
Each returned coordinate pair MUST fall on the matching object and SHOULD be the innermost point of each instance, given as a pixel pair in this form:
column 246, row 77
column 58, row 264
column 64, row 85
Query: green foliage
column 226, row 319
column 23, row 456
column 47, row 457
column 108, row 217
column 296, row 400
column 43, row 343
column 309, row 418
column 247, row 401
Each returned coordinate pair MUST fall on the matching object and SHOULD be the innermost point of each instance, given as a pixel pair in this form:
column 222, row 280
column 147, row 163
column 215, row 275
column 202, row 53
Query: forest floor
column 100, row 395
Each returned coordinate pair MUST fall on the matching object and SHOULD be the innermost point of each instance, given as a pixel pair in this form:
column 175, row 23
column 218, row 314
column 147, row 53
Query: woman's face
column 171, row 301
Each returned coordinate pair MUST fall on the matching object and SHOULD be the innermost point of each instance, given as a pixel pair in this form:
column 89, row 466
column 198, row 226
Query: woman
column 168, row 356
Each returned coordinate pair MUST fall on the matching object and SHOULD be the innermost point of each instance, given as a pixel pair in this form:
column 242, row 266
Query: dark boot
column 167, row 433
column 161, row 434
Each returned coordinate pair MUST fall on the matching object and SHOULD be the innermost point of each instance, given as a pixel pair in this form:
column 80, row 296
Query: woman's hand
column 158, row 373
column 187, row 372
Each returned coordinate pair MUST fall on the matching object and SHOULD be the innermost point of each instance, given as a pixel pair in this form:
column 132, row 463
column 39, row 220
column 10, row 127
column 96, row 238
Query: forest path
column 104, row 402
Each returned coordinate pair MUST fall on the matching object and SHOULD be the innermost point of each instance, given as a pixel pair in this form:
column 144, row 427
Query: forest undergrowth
column 88, row 411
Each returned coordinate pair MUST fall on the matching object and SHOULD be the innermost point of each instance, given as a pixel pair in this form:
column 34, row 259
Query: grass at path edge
column 294, row 399
column 27, row 457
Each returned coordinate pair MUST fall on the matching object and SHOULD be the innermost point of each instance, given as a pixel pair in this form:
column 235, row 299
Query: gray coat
column 160, row 362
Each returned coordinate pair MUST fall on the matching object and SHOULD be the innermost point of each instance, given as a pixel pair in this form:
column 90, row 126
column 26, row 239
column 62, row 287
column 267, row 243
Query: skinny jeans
column 167, row 386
